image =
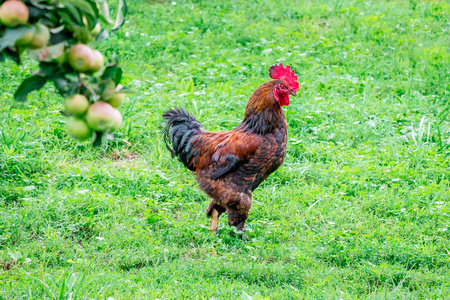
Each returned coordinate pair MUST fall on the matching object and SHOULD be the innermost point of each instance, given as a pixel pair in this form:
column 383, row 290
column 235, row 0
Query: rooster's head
column 286, row 83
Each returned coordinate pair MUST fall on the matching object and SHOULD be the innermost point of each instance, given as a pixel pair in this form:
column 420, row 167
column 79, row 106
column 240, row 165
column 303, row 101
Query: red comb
column 285, row 74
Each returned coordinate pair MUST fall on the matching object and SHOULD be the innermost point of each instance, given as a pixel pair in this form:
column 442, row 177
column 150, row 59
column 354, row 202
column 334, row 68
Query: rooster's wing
column 225, row 151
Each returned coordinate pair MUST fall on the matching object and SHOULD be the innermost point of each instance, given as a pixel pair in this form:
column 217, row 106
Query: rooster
column 230, row 165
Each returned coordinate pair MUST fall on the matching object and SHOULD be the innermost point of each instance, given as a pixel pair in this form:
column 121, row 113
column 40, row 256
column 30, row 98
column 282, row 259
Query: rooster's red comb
column 285, row 74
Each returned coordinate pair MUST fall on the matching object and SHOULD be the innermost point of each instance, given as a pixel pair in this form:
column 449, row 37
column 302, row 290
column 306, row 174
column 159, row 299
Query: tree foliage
column 57, row 34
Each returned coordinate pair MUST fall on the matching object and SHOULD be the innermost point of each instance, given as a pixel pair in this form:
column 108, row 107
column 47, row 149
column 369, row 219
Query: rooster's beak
column 291, row 92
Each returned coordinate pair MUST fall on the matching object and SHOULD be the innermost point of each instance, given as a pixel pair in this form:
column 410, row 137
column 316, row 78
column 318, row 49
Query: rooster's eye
column 283, row 86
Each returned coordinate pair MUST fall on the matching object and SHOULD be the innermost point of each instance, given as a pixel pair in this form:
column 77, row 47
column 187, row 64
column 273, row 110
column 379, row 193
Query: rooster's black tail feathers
column 181, row 127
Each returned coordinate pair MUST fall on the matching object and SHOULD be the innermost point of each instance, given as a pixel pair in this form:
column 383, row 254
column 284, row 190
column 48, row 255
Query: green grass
column 360, row 209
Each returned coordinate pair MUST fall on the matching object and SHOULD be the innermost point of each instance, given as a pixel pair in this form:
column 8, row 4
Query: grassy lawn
column 360, row 209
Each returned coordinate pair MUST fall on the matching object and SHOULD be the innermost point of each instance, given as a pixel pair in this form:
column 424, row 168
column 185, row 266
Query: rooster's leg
column 237, row 215
column 237, row 218
column 214, row 211
column 214, row 221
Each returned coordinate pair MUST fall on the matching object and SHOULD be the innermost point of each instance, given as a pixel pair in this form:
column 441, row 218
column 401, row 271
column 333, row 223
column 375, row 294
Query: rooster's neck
column 263, row 122
column 263, row 114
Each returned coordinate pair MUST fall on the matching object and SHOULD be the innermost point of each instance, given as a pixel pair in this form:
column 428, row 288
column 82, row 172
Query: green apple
column 41, row 37
column 80, row 57
column 117, row 99
column 77, row 104
column 97, row 64
column 109, row 89
column 25, row 40
column 62, row 58
column 78, row 129
column 14, row 13
column 101, row 116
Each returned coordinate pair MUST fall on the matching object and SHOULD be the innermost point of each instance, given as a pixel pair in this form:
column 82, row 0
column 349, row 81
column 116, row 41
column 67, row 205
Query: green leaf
column 443, row 114
column 48, row 69
column 190, row 86
column 118, row 76
column 11, row 54
column 61, row 292
column 60, row 37
column 82, row 34
column 11, row 35
column 71, row 15
column 37, row 12
column 28, row 85
column 48, row 53
column 66, row 85
column 113, row 72
column 103, row 10
column 121, row 13
column 42, row 4
column 83, row 5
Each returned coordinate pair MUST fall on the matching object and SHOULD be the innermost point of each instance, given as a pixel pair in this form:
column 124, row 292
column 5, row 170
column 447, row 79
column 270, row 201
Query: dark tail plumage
column 181, row 127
